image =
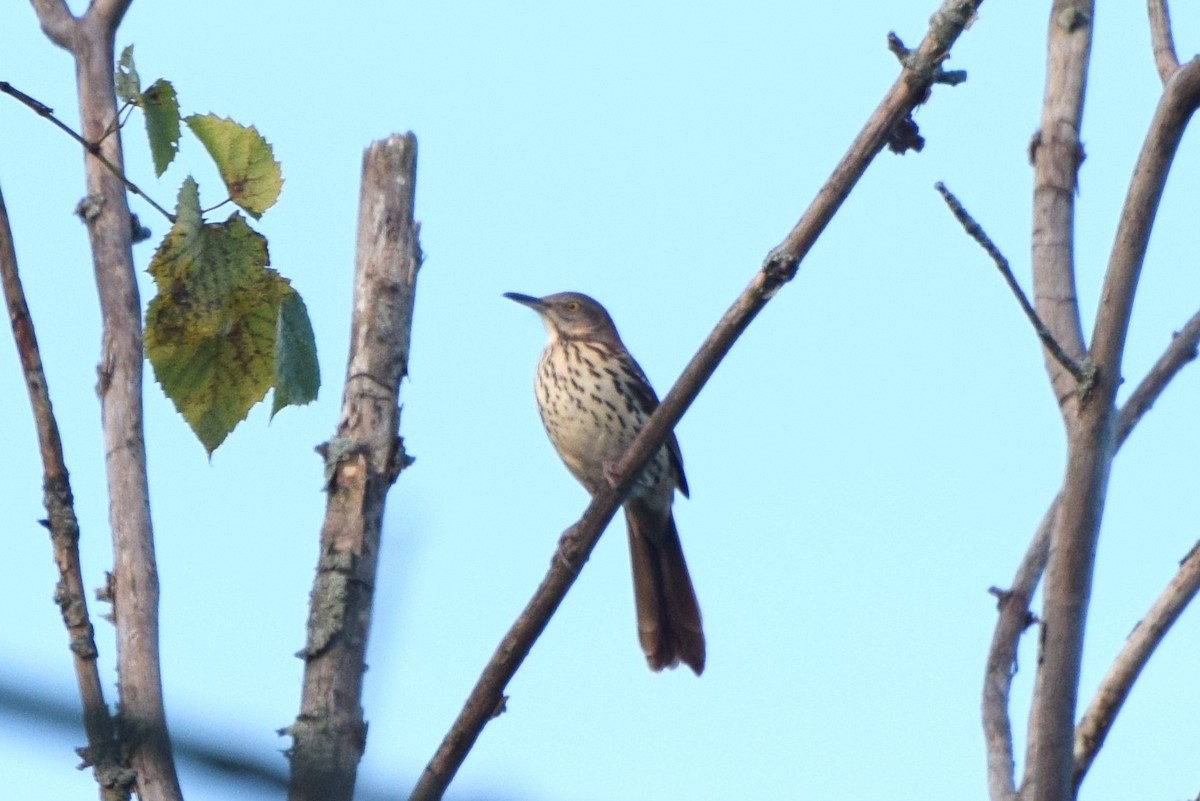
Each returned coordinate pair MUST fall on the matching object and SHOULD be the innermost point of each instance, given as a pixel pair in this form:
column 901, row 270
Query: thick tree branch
column 1114, row 689
column 102, row 751
column 1165, row 60
column 922, row 67
column 362, row 462
column 1082, row 372
column 142, row 718
column 1057, row 154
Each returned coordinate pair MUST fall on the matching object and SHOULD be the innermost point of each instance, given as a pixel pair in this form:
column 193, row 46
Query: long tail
column 668, row 615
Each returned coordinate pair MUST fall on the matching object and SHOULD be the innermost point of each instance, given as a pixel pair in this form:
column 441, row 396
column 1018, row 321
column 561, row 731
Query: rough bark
column 361, row 462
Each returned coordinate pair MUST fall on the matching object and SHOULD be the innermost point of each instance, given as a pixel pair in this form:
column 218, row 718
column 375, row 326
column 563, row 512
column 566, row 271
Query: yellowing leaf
column 211, row 328
column 247, row 165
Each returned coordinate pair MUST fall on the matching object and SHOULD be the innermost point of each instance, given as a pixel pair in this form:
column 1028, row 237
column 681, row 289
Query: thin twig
column 1084, row 373
column 93, row 148
column 1180, row 352
column 780, row 266
column 102, row 751
column 1165, row 59
column 1125, row 669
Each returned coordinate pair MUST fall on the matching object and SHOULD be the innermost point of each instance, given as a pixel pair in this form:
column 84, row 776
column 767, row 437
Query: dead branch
column 362, row 462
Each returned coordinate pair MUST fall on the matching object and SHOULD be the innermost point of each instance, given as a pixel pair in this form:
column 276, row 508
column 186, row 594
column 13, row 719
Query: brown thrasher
column 594, row 399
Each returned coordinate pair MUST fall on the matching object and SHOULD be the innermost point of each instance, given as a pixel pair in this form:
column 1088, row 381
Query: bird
column 593, row 399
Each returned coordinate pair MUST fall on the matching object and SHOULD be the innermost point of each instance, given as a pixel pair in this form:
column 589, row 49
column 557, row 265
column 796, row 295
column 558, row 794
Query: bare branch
column 1179, row 100
column 102, row 751
column 1083, row 373
column 93, row 148
column 362, row 462
column 1015, row 617
column 487, row 698
column 1163, row 42
column 1013, row 620
column 1180, row 352
column 57, row 22
column 1057, row 154
column 134, row 587
column 1125, row 669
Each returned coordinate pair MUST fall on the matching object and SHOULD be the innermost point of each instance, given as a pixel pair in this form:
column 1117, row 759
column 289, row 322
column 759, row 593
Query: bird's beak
column 525, row 300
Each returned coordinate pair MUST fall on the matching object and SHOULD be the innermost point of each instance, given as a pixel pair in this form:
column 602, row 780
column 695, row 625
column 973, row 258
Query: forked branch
column 1014, row 612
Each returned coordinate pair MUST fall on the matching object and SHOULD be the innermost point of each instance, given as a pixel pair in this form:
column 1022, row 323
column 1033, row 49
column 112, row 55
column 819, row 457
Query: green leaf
column 211, row 328
column 129, row 87
column 297, row 373
column 245, row 160
column 162, row 123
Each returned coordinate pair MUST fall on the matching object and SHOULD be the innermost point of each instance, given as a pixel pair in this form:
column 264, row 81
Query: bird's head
column 571, row 315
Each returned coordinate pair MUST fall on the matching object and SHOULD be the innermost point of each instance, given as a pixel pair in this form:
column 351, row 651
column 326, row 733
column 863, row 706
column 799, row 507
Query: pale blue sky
column 872, row 456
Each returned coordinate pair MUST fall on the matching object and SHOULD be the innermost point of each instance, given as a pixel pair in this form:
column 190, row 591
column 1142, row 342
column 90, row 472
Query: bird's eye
column 573, row 306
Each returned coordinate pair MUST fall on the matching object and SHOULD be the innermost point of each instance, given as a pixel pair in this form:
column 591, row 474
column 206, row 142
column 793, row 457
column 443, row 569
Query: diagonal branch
column 1163, row 42
column 1083, row 373
column 487, row 698
column 1179, row 353
column 102, row 752
column 42, row 110
column 1180, row 98
column 1125, row 669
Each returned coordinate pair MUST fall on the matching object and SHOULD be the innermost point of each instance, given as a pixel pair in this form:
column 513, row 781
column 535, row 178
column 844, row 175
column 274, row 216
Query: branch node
column 905, row 136
column 1072, row 18
column 778, row 268
column 898, row 49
